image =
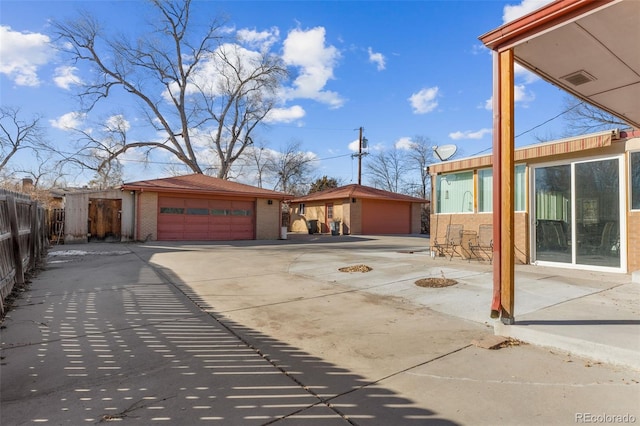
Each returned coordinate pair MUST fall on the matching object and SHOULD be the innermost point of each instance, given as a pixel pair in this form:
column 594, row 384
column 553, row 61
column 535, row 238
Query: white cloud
column 522, row 95
column 424, row 101
column 469, row 134
column 65, row 76
column 261, row 40
column 404, row 143
column 68, row 121
column 208, row 77
column 477, row 49
column 307, row 51
column 377, row 58
column 511, row 12
column 118, row 122
column 354, row 146
column 21, row 54
column 488, row 104
column 285, row 115
column 523, row 74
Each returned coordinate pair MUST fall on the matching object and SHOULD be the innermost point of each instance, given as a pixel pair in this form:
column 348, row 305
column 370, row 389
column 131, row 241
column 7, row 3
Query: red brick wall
column 633, row 243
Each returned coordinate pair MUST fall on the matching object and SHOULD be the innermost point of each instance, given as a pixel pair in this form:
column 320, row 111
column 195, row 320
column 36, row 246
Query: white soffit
column 595, row 57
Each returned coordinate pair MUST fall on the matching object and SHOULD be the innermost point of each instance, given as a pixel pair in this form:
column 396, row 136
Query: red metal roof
column 357, row 191
column 202, row 184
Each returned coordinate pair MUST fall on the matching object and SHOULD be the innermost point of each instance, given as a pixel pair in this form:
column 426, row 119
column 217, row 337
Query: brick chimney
column 27, row 185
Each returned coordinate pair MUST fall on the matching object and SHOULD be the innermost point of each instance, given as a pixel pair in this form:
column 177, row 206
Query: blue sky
column 398, row 69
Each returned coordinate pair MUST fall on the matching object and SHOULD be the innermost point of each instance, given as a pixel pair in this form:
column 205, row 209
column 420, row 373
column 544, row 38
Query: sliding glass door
column 577, row 213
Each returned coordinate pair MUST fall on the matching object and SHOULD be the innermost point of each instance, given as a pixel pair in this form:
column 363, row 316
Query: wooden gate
column 104, row 219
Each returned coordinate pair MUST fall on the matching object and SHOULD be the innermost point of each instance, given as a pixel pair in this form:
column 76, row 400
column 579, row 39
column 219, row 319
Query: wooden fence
column 23, row 239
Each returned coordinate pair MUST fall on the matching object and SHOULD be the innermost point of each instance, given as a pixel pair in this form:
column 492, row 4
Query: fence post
column 15, row 239
column 34, row 235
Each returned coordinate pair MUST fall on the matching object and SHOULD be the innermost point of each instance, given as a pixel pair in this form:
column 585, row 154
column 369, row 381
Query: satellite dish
column 445, row 152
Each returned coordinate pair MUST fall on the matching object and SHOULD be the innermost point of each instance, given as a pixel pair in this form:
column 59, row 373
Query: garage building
column 197, row 207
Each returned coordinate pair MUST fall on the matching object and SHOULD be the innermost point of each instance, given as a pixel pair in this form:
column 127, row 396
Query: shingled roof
column 202, row 184
column 357, row 191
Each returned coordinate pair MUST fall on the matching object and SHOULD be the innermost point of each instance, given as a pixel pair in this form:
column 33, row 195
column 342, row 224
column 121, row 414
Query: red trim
column 548, row 16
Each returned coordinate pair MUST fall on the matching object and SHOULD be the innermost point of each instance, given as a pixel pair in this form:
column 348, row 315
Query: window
column 197, row 211
column 301, row 208
column 520, row 188
column 329, row 211
column 454, row 192
column 485, row 189
column 219, row 212
column 240, row 212
column 634, row 169
column 171, row 210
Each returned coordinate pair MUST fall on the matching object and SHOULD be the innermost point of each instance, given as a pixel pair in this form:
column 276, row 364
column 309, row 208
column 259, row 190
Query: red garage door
column 385, row 217
column 200, row 219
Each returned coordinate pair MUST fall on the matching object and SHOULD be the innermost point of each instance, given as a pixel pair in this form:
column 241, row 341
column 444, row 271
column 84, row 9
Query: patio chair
column 604, row 245
column 452, row 240
column 483, row 244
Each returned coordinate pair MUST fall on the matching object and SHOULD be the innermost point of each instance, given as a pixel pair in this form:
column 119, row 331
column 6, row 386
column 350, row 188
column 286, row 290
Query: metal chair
column 484, row 243
column 452, row 240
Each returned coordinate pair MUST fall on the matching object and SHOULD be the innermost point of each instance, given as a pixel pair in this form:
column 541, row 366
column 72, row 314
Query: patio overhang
column 587, row 48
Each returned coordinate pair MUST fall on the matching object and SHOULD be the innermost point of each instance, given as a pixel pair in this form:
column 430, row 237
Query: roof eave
column 142, row 188
column 546, row 17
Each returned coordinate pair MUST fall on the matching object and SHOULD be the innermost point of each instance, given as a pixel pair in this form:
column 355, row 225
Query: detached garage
column 203, row 208
column 358, row 210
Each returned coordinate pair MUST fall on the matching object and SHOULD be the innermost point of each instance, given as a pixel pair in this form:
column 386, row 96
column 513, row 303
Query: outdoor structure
column 96, row 215
column 357, row 210
column 587, row 48
column 576, row 201
column 203, row 208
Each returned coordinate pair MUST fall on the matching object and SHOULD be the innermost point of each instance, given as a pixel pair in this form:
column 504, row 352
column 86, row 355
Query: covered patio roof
column 585, row 47
column 588, row 48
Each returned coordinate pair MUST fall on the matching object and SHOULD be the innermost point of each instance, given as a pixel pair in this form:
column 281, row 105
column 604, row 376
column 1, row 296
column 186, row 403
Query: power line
column 535, row 127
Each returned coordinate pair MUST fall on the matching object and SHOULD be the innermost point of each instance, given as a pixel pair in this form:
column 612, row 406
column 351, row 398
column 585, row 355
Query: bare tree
column 291, row 169
column 418, row 157
column 47, row 171
column 385, row 169
column 18, row 134
column 583, row 118
column 257, row 159
column 97, row 148
column 191, row 87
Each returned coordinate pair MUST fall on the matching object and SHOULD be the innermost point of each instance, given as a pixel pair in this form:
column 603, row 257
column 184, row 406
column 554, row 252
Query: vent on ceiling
column 579, row 77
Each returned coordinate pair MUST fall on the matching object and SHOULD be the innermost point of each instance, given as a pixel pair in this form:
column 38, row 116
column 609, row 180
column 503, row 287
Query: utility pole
column 362, row 142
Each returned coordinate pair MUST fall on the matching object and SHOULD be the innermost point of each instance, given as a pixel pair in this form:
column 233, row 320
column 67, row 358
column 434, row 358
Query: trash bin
column 335, row 228
column 467, row 237
column 313, row 226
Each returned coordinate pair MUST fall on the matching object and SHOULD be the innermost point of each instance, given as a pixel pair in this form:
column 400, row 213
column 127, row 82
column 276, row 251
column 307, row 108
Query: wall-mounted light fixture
column 269, row 202
column 353, row 200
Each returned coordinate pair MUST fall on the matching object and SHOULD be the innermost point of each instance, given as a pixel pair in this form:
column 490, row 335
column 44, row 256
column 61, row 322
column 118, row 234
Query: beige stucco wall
column 147, row 218
column 343, row 210
column 267, row 220
column 356, row 217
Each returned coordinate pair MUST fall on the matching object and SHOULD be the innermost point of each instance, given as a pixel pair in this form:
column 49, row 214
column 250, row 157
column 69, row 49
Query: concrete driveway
column 272, row 332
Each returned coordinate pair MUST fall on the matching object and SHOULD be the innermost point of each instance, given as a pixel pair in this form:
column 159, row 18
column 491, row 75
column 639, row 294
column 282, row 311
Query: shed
column 358, row 210
column 97, row 215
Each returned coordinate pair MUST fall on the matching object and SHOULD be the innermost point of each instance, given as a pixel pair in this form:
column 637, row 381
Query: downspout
column 134, row 219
